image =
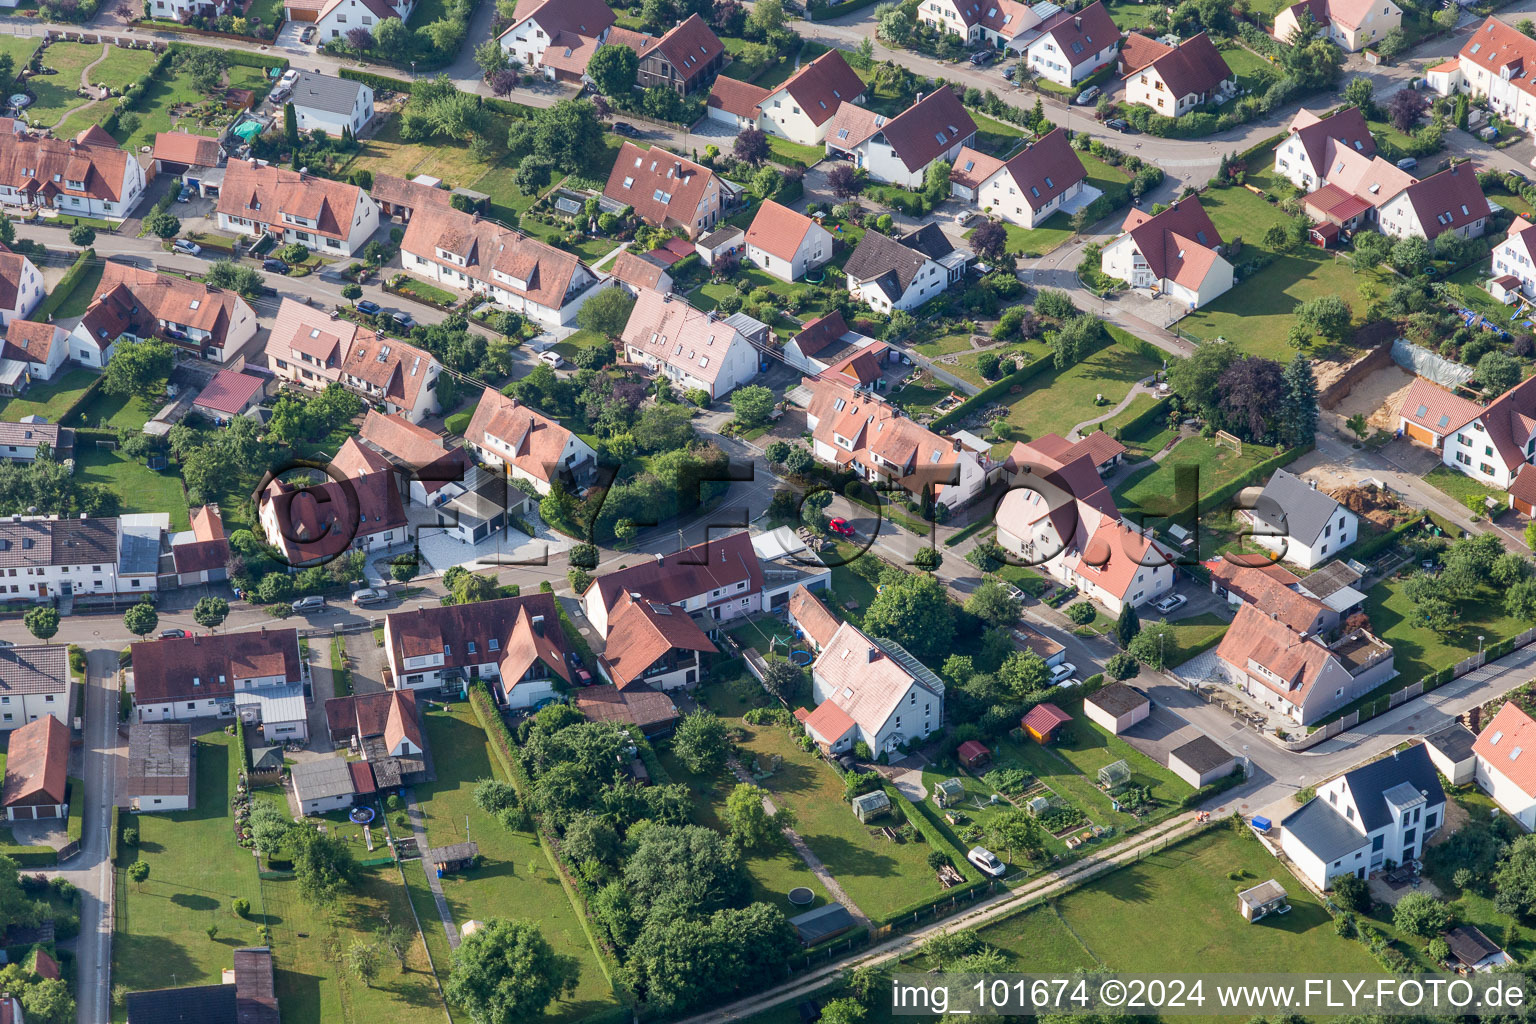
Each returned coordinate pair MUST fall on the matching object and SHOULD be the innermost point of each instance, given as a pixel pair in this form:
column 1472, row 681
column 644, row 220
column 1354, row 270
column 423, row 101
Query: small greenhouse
column 1113, row 776
column 1038, row 806
column 949, row 792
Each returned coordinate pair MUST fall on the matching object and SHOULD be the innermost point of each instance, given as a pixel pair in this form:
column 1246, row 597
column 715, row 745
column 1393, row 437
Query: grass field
column 140, row 488
column 1467, row 285
column 116, row 411
column 49, row 399
column 1151, row 491
column 1183, row 900
column 80, row 296
column 996, row 137
column 1238, row 213
column 1131, row 14
column 177, row 89
column 1253, row 72
column 1420, row 650
column 57, row 93
column 879, row 875
column 20, row 49
column 386, row 152
column 920, row 396
column 1058, row 400
column 1146, row 441
column 514, row 878
column 1460, row 487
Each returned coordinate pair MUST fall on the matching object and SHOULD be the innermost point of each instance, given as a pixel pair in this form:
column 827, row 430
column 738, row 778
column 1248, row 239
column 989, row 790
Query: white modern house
column 800, row 109
column 1451, row 201
column 557, row 37
column 21, row 286
column 508, row 434
column 1514, row 260
column 1492, row 443
column 1029, row 187
column 1299, row 523
column 335, row 106
column 905, row 272
column 1494, row 64
column 1384, row 811
column 1174, row 80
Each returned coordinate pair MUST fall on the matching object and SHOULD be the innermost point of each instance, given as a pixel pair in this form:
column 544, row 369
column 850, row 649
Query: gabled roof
column 1333, row 201
column 820, row 86
column 736, row 97
column 1194, row 66
column 868, row 677
column 1520, row 237
column 1291, row 661
column 641, row 631
column 1042, row 718
column 199, row 1004
column 812, row 616
column 676, row 334
column 230, row 392
column 1434, row 408
column 45, row 167
column 1368, row 784
column 891, row 263
column 828, row 721
column 183, row 147
column 637, row 271
column 300, row 329
column 141, row 297
column 1294, row 509
column 717, row 564
column 37, row 764
column 1178, row 244
column 325, row 92
column 449, row 630
column 972, row 167
column 1323, row 831
column 1268, row 587
column 396, row 367
column 263, row 193
column 494, row 254
column 207, row 666
column 1346, row 127
column 1005, row 17
column 1138, row 51
column 817, row 334
column 778, row 230
column 658, row 184
column 1496, row 46
column 1448, row 201
column 577, row 17
column 33, row 341
column 1116, row 552
column 1510, row 420
column 689, row 47
column 1044, row 169
column 387, row 188
column 1080, row 35
column 920, row 134
column 1370, row 177
column 321, row 517
column 414, row 448
column 1508, row 745
column 852, row 124
column 536, row 442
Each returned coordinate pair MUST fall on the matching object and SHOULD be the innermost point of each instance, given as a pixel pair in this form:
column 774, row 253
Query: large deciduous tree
column 507, row 973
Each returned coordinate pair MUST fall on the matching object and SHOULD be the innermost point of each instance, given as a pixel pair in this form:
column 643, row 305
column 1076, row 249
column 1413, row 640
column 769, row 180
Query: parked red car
column 841, row 527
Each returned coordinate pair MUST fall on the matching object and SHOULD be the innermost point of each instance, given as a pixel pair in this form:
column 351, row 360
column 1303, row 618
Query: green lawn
column 1058, row 400
column 115, row 411
column 919, row 397
column 1180, row 900
column 880, row 876
column 120, row 69
column 1253, row 72
column 19, row 48
column 1238, row 213
column 1150, row 491
column 1420, row 651
column 140, row 488
column 793, row 154
column 1194, row 633
column 514, row 878
column 49, row 399
column 996, row 137
column 1468, row 292
column 55, row 94
column 1257, row 313
column 1057, row 228
column 1130, row 15
column 80, row 296
column 1146, row 441
column 1081, row 747
column 1460, row 487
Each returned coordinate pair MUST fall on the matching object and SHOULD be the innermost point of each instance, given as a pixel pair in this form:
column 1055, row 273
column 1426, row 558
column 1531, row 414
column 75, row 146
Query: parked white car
column 370, row 595
column 552, row 358
column 1066, row 670
column 987, row 861
column 1171, row 603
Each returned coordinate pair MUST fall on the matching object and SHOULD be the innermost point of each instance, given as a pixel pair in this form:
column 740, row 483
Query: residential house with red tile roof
column 1000, row 23
column 1352, row 24
column 1449, row 201
column 201, row 554
column 197, row 159
column 718, row 580
column 363, row 510
column 1505, row 762
column 1029, row 186
column 305, row 347
column 515, row 644
column 230, row 394
column 330, row 217
column 399, row 197
column 1059, row 518
column 633, row 273
column 557, row 37
column 36, row 783
column 1494, row 64
column 858, row 431
column 34, row 683
column 199, row 676
column 466, row 252
column 90, row 174
column 1492, row 446
column 1103, row 451
column 42, row 348
column 1272, row 588
column 1515, row 258
column 423, row 460
column 21, row 286
column 899, row 150
column 379, row 725
column 509, row 434
column 653, row 643
column 1069, row 46
column 1310, row 150
column 1177, row 79
column 670, row 337
column 333, row 19
column 134, row 303
column 786, row 244
column 813, row 618
column 822, row 342
column 395, row 374
column 667, row 190
column 890, row 697
column 799, row 109
column 735, row 102
column 1298, row 675
column 906, row 271
column 687, row 58
column 1430, row 414
column 1175, row 252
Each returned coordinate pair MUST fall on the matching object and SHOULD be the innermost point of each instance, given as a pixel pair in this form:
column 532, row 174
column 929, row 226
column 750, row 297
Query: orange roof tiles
column 1508, row 745
column 778, row 230
column 37, row 764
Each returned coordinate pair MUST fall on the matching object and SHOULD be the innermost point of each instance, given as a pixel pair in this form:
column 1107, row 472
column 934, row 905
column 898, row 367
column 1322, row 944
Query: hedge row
column 377, row 82
column 985, row 396
column 1368, row 547
column 240, row 58
column 923, row 819
column 1218, row 497
column 50, row 304
column 1157, row 412
column 72, row 412
column 837, row 10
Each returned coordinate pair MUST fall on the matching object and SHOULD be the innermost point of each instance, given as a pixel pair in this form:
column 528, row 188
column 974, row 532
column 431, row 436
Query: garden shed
column 1201, row 761
column 821, row 924
column 1265, row 898
column 973, row 754
column 871, row 805
column 1043, row 721
column 1038, row 806
column 1114, row 775
column 949, row 792
column 454, row 857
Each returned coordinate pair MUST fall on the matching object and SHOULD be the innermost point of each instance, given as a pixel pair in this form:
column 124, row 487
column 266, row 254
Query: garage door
column 1420, row 434
column 51, row 811
column 1523, row 507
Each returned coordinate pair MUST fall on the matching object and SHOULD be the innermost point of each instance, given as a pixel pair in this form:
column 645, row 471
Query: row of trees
column 1257, row 399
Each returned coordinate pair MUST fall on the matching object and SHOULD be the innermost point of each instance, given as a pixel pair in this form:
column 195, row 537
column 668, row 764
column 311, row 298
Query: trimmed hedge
column 1368, row 547
column 985, row 396
column 837, row 10
column 61, row 291
column 240, row 58
column 376, row 82
column 922, row 818
column 1156, row 412
column 72, row 412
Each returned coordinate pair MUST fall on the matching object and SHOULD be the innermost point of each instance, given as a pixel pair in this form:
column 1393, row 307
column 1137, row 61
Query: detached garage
column 1116, row 707
column 1201, row 761
column 1450, row 751
column 37, row 772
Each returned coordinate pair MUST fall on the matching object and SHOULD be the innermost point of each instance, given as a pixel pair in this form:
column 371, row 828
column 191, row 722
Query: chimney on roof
column 660, row 558
column 1078, row 22
column 874, row 654
column 918, row 100
column 194, row 639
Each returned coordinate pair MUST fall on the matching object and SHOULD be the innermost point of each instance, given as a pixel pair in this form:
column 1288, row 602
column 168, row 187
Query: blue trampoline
column 800, row 658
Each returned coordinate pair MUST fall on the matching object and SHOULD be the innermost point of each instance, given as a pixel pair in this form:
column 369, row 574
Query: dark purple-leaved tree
column 1250, row 390
column 751, row 146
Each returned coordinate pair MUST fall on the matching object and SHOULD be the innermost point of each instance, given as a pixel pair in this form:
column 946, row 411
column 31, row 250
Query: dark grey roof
column 200, row 1004
column 889, row 263
column 1294, row 508
column 140, row 547
column 1329, row 580
column 1469, row 945
column 822, row 923
column 35, row 668
column 929, row 240
column 1203, row 754
column 718, row 237
column 453, row 852
column 46, row 541
column 159, row 759
column 485, row 495
column 1368, row 783
column 1117, row 699
column 1323, row 830
column 322, row 92
column 1454, row 742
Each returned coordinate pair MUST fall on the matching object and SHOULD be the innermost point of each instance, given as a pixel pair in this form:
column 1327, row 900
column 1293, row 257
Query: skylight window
column 1423, row 410
column 629, row 182
column 1514, row 753
column 939, row 136
column 1444, row 420
column 195, row 303
column 1496, row 737
column 662, row 197
column 1049, row 183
